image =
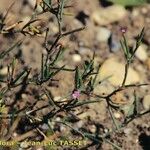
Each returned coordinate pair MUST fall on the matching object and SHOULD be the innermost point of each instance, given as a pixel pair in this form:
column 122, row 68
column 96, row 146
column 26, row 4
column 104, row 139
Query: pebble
column 24, row 145
column 117, row 115
column 109, row 15
column 58, row 119
column 3, row 71
column 76, row 58
column 141, row 53
column 127, row 131
column 106, row 130
column 57, row 98
column 93, row 128
column 146, row 102
column 115, row 70
column 103, row 34
column 80, row 124
column 15, row 134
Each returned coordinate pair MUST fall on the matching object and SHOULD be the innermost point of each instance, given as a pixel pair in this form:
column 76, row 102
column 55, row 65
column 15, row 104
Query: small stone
column 14, row 134
column 24, row 145
column 93, row 128
column 103, row 34
column 24, row 96
column 57, row 98
column 127, row 131
column 117, row 115
column 141, row 53
column 109, row 15
column 76, row 58
column 58, row 119
column 106, row 130
column 115, row 71
column 3, row 71
column 146, row 102
column 80, row 124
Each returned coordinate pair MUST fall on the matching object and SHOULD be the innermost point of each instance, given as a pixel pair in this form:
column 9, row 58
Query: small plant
column 84, row 84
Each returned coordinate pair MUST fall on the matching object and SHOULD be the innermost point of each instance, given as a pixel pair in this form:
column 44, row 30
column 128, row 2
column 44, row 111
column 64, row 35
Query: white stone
column 115, row 70
column 105, row 16
column 76, row 58
column 103, row 34
column 4, row 71
column 146, row 102
column 117, row 115
column 141, row 53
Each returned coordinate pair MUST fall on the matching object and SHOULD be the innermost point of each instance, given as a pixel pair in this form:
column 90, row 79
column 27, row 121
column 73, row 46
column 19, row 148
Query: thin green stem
column 126, row 73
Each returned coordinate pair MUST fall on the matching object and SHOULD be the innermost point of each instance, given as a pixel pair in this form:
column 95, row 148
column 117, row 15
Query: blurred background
column 104, row 21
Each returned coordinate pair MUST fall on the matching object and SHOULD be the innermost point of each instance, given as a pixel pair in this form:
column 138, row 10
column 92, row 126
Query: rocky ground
column 102, row 35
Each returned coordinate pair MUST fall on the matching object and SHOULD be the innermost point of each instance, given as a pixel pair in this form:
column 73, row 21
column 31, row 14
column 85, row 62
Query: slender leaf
column 78, row 79
column 58, row 56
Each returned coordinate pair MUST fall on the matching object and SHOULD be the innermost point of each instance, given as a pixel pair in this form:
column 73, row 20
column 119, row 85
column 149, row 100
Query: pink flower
column 123, row 29
column 76, row 94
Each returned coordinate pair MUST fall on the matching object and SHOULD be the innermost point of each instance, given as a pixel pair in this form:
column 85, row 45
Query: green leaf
column 88, row 68
column 78, row 79
column 49, row 74
column 140, row 37
column 124, row 49
column 48, row 3
column 60, row 11
column 128, row 2
column 58, row 56
column 20, row 77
